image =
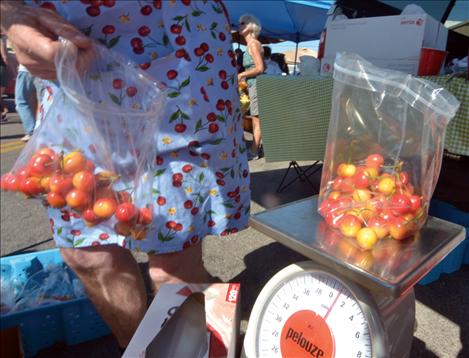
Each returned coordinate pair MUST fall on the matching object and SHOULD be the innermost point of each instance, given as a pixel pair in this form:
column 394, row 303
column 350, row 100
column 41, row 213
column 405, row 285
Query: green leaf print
column 184, row 115
column 173, row 94
column 198, row 125
column 214, row 35
column 216, row 9
column 216, row 141
column 174, row 116
column 228, row 205
column 155, row 191
column 185, row 83
column 78, row 242
column 213, row 25
column 201, row 177
column 87, row 30
column 196, row 13
column 113, row 42
column 186, row 23
column 232, row 173
column 114, row 98
column 178, row 18
column 59, row 231
column 221, row 118
column 159, row 172
column 165, row 40
column 202, row 68
column 102, row 42
column 70, row 241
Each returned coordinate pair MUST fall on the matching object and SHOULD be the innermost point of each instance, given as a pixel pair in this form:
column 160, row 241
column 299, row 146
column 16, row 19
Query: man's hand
column 34, row 35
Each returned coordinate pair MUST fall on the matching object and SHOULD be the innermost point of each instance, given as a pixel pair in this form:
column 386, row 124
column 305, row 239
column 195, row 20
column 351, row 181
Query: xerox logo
column 304, row 343
column 407, row 22
column 419, row 22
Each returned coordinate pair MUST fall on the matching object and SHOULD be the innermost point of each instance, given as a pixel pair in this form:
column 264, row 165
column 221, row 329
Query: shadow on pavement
column 264, row 185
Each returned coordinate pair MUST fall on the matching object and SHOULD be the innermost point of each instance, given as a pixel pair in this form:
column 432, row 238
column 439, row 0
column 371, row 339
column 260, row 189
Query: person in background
column 3, row 76
column 280, row 59
column 26, row 100
column 271, row 67
column 239, row 59
column 253, row 62
column 194, row 194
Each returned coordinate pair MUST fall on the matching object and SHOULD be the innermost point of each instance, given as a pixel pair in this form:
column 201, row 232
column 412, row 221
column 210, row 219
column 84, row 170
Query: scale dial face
column 310, row 313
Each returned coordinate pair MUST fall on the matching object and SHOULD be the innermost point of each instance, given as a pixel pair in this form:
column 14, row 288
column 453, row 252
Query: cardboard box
column 189, row 320
column 392, row 42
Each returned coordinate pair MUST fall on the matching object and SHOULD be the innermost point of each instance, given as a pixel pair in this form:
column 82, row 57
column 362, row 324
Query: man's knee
column 89, row 259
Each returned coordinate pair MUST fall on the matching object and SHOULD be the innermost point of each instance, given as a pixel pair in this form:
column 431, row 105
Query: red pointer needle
column 332, row 306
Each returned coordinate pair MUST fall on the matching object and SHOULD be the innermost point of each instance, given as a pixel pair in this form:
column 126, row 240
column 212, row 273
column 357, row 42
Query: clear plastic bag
column 384, row 151
column 95, row 150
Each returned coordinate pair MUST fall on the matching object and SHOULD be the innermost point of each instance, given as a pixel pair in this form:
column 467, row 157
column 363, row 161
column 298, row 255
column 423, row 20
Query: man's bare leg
column 184, row 266
column 114, row 284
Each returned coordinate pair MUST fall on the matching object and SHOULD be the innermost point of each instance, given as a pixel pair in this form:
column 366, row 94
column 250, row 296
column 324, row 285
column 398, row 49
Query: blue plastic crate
column 460, row 255
column 71, row 322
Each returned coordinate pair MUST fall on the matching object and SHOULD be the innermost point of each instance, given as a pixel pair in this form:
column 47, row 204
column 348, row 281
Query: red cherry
column 96, row 3
column 117, row 84
column 220, row 105
column 188, row 204
column 136, row 42
column 205, row 156
column 145, row 66
column 204, row 46
column 209, row 58
column 31, row 186
column 187, row 168
column 177, row 184
column 180, row 40
column 145, row 216
column 245, row 173
column 178, row 227
column 222, row 74
column 146, row 10
column 186, row 2
column 178, row 177
column 186, row 245
column 157, row 4
column 171, row 74
column 159, row 160
column 176, row 29
column 126, row 212
column 48, row 5
column 75, row 232
column 171, row 225
column 161, row 200
column 222, row 36
column 211, row 223
column 194, row 239
column 374, row 161
column 211, row 117
column 138, row 51
column 198, row 51
column 219, row 175
column 180, row 53
column 213, row 128
column 109, row 3
column 108, row 29
column 224, row 85
column 56, row 200
column 144, row 31
column 180, row 127
column 400, row 204
column 221, row 182
column 103, row 236
column 93, row 11
column 131, row 91
column 195, row 211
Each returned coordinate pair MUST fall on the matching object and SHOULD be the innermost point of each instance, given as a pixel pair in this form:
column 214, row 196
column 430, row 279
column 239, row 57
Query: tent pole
column 296, row 51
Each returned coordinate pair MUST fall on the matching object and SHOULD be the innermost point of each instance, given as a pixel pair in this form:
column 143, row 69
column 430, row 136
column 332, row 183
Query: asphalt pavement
column 248, row 257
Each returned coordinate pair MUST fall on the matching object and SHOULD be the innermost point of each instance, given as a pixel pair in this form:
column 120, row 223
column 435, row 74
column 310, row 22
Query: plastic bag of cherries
column 384, row 151
column 94, row 151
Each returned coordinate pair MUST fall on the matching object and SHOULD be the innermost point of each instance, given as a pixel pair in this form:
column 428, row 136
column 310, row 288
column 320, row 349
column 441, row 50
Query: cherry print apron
column 201, row 170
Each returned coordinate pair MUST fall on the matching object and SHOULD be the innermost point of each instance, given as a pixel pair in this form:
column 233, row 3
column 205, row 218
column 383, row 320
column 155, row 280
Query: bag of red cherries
column 384, row 151
column 93, row 152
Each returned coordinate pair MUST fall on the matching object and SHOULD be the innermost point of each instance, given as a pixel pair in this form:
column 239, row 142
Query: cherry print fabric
column 201, row 171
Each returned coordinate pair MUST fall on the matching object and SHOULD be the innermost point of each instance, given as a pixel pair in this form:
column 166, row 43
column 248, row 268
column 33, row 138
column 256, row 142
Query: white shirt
column 272, row 68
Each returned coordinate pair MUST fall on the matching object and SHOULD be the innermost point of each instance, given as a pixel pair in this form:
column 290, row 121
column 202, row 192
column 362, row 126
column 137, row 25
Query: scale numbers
column 313, row 315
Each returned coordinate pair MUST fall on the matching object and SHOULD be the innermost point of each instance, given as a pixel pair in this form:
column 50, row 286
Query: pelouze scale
column 344, row 302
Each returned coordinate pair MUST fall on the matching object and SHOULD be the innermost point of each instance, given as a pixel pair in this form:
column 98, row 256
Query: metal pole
column 296, row 51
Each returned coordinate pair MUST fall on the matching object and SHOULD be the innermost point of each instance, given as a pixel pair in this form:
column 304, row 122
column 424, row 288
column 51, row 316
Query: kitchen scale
column 345, row 302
